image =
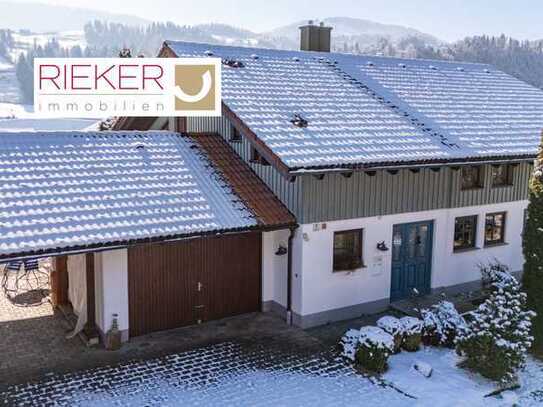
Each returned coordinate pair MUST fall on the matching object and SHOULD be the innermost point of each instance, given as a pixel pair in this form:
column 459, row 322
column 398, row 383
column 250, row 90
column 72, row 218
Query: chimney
column 315, row 37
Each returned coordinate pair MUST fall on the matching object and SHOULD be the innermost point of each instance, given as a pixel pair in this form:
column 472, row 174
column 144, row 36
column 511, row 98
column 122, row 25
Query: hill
column 39, row 17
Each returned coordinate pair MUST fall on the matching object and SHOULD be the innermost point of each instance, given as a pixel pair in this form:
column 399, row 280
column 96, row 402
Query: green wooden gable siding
column 336, row 197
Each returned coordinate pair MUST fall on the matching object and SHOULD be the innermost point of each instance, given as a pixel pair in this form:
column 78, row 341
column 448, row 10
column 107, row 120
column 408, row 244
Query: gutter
column 289, row 275
column 429, row 164
column 116, row 245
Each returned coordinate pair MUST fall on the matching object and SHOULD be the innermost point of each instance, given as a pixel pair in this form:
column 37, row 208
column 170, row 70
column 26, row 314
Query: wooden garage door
column 176, row 284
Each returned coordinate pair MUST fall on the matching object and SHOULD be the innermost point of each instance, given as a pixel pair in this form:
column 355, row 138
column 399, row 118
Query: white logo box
column 102, row 87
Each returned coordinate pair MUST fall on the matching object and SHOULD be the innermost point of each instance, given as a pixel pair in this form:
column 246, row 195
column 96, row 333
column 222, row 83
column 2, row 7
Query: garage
column 150, row 230
column 189, row 282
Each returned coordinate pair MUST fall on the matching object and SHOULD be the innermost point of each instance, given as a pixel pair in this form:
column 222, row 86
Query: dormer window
column 472, row 177
column 235, row 135
column 257, row 158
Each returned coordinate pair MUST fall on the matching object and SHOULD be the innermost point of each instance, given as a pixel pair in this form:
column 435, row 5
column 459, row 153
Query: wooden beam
column 59, row 281
column 90, row 326
column 181, row 125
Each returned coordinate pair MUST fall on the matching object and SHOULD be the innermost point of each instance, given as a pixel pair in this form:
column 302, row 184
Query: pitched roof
column 68, row 190
column 254, row 193
column 371, row 111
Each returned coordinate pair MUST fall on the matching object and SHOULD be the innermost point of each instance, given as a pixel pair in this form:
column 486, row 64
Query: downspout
column 289, row 275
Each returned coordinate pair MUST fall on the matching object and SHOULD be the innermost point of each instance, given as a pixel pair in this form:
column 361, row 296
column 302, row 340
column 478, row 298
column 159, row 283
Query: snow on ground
column 228, row 374
column 225, row 374
column 25, row 40
column 450, row 385
column 15, row 117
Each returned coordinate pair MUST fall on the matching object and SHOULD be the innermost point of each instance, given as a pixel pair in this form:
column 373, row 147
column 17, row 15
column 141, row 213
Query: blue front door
column 411, row 259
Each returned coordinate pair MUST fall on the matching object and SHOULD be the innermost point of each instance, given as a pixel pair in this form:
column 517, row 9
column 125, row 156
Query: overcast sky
column 448, row 20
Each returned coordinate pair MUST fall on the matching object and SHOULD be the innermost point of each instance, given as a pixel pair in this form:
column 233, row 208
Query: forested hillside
column 523, row 60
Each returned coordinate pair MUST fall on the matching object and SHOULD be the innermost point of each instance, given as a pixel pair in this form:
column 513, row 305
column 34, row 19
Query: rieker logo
column 98, row 87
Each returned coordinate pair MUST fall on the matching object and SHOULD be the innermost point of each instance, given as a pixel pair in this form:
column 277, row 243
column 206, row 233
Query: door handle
column 199, row 306
column 200, row 285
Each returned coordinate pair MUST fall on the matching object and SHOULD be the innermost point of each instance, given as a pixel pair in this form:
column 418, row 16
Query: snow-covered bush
column 497, row 337
column 412, row 333
column 442, row 322
column 349, row 343
column 370, row 347
column 392, row 326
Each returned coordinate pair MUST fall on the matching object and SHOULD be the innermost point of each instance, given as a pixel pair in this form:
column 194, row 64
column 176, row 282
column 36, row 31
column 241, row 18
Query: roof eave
column 410, row 164
column 124, row 244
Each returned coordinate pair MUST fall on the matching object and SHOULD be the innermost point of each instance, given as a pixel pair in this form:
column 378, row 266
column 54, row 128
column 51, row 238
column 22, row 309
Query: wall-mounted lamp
column 281, row 250
column 382, row 246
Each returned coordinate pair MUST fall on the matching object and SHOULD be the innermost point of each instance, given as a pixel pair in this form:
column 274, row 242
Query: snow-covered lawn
column 26, row 40
column 16, row 117
column 450, row 385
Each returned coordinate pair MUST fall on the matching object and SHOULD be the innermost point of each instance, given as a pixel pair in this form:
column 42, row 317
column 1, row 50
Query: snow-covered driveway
column 225, row 374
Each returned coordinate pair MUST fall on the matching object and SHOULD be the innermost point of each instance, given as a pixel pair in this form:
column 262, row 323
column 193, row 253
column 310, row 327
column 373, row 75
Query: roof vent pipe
column 315, row 37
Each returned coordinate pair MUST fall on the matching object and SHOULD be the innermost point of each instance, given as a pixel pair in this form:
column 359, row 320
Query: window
column 235, row 135
column 494, row 228
column 348, row 250
column 501, row 175
column 465, row 232
column 256, row 157
column 472, row 177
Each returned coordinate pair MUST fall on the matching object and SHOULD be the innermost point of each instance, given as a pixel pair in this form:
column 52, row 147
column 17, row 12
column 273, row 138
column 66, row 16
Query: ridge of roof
column 329, row 55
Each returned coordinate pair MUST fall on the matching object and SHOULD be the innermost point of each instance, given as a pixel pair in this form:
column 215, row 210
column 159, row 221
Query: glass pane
column 494, row 228
column 470, row 177
column 347, row 249
column 499, row 175
column 397, row 244
column 412, row 242
column 464, row 232
column 422, row 241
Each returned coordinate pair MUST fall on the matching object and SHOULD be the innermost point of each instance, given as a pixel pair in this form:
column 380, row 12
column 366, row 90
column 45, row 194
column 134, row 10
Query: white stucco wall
column 274, row 267
column 111, row 279
column 318, row 289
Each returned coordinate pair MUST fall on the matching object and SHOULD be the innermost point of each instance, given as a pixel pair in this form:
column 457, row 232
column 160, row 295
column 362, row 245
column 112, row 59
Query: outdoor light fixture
column 382, row 246
column 281, row 250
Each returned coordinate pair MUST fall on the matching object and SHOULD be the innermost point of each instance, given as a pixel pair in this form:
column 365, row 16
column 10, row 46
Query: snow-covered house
column 402, row 174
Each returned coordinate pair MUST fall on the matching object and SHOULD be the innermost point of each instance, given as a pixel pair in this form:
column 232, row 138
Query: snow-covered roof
column 364, row 110
column 65, row 190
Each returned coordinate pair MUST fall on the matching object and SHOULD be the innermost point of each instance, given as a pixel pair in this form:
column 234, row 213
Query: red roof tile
column 256, row 195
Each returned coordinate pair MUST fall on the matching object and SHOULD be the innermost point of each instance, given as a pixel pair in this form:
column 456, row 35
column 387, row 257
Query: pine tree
column 25, row 78
column 532, row 279
column 497, row 338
